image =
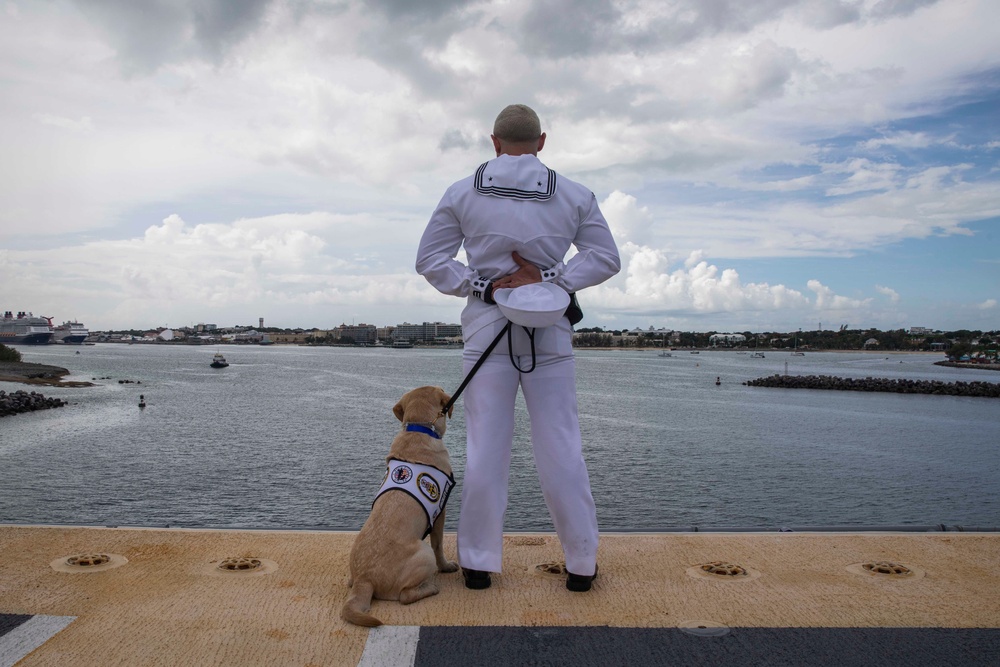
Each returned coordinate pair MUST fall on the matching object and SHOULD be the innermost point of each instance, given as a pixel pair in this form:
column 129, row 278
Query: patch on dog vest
column 426, row 484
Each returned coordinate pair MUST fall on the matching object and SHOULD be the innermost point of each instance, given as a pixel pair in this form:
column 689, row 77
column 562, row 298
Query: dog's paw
column 449, row 566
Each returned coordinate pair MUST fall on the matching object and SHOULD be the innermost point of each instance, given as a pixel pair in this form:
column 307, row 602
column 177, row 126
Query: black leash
column 482, row 359
column 573, row 312
column 510, row 350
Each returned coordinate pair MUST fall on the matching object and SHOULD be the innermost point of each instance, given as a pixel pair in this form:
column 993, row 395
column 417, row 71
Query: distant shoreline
column 45, row 375
column 962, row 364
column 688, row 350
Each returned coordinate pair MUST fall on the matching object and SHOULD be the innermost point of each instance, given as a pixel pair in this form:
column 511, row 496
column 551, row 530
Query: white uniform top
column 514, row 203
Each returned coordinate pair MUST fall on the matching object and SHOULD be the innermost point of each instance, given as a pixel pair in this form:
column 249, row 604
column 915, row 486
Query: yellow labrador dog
column 390, row 559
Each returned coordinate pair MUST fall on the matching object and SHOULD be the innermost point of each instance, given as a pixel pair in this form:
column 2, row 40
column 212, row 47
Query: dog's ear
column 398, row 410
column 444, row 401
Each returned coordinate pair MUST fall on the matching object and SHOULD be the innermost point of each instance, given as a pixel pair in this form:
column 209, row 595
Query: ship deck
column 802, row 598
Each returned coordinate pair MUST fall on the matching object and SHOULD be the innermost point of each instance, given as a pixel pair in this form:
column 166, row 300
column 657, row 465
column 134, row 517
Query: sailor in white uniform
column 517, row 219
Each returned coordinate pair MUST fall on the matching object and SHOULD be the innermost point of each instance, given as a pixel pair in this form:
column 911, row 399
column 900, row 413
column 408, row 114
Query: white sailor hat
column 537, row 305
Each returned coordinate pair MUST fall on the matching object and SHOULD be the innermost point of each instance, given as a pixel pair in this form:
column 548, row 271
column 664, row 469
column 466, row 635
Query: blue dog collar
column 420, row 428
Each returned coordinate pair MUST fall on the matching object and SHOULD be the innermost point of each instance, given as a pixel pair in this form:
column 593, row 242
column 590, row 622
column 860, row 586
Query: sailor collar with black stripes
column 515, row 177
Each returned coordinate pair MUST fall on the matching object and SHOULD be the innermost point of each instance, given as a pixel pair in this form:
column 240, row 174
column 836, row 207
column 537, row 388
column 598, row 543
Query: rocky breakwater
column 23, row 401
column 897, row 386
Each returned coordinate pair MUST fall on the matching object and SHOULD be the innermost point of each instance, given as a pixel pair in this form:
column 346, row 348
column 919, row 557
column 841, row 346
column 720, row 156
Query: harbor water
column 296, row 437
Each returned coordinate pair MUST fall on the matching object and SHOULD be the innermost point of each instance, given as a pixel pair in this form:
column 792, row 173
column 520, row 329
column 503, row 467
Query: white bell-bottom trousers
column 550, row 395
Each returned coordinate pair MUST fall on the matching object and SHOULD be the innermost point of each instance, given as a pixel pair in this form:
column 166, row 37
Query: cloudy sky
column 765, row 165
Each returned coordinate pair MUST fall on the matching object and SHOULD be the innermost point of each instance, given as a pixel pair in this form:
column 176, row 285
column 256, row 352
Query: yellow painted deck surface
column 170, row 604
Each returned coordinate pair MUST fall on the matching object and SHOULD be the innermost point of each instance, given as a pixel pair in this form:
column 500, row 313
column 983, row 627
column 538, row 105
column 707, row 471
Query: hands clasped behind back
column 526, row 274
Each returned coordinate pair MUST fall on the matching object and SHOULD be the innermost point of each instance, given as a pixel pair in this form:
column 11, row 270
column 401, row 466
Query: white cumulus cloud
column 888, row 292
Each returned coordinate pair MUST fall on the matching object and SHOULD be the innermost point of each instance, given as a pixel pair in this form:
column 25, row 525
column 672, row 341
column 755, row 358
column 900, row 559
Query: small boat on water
column 219, row 361
column 795, row 350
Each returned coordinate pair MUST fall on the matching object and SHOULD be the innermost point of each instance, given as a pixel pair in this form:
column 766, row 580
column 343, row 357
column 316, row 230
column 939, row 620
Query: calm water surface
column 291, row 437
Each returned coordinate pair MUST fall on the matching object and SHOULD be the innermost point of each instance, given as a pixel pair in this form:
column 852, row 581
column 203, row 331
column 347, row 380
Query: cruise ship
column 70, row 333
column 25, row 329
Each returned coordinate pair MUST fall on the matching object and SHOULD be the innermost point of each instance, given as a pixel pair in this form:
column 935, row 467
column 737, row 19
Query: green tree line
column 955, row 343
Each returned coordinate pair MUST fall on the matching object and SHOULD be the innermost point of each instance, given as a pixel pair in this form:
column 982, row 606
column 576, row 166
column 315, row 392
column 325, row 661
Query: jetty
column 17, row 402
column 898, row 386
column 162, row 596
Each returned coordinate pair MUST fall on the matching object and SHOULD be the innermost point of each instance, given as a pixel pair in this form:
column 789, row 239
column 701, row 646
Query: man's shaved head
column 517, row 124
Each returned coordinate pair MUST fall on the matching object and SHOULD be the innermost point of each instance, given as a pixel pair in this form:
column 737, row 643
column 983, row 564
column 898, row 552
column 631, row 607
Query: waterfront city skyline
column 208, row 326
column 763, row 166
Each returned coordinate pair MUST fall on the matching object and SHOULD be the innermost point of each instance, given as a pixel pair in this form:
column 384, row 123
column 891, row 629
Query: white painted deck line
column 391, row 646
column 28, row 636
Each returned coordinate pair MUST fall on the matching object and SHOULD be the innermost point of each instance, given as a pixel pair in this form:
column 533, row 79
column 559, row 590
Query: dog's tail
column 357, row 605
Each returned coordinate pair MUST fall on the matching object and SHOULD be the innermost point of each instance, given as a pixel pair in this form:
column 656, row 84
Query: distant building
column 651, row 334
column 360, row 334
column 247, row 336
column 727, row 339
column 428, row 332
column 297, row 336
column 920, row 331
column 163, row 334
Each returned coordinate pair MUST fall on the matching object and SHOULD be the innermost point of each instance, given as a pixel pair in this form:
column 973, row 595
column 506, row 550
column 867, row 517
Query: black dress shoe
column 580, row 583
column 476, row 579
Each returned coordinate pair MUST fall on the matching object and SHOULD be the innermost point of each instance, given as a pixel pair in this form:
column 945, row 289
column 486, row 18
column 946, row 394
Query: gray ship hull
column 29, row 339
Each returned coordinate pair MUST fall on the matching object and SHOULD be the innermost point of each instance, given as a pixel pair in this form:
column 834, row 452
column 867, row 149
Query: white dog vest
column 426, row 484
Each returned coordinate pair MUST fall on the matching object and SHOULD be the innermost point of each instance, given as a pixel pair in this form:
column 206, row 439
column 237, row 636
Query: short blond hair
column 517, row 123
